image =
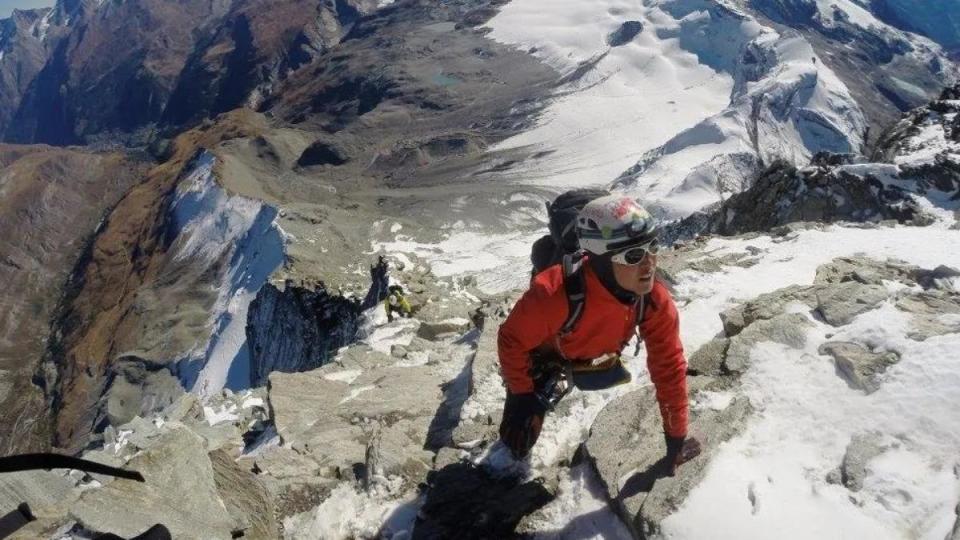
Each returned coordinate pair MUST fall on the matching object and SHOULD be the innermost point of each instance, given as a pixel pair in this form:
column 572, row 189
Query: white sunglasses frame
column 620, row 256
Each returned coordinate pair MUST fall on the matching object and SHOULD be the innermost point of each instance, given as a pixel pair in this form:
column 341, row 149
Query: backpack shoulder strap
column 575, row 286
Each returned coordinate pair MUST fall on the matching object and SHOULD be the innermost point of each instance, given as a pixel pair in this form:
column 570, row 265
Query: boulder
column 858, row 366
column 624, row 34
column 708, row 360
column 435, row 330
column 788, row 329
column 766, row 306
column 626, row 448
column 863, row 447
column 247, row 500
column 941, row 277
column 180, row 492
column 465, row 501
column 137, row 390
column 839, row 304
column 934, row 313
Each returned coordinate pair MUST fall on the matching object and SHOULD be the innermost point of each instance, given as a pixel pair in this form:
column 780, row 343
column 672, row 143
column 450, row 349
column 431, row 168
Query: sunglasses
column 635, row 255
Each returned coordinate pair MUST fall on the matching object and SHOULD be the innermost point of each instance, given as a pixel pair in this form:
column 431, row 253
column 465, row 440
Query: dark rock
column 624, row 34
column 298, row 328
column 783, row 194
column 465, row 501
column 322, row 153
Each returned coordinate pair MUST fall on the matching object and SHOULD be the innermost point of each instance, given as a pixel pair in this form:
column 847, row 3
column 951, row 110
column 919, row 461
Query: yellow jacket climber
column 395, row 302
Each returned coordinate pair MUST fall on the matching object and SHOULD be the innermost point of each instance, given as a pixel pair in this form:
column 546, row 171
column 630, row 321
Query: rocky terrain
column 201, row 302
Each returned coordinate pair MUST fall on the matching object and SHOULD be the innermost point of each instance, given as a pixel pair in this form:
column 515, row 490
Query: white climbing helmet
column 613, row 223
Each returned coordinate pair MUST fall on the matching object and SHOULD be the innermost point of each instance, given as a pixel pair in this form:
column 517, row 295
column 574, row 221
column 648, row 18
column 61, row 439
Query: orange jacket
column 606, row 324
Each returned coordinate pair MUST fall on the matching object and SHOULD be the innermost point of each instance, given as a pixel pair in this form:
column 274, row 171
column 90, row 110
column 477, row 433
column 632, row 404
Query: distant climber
column 571, row 326
column 396, row 302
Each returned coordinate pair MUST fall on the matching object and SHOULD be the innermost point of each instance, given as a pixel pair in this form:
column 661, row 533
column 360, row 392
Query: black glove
column 522, row 419
column 679, row 451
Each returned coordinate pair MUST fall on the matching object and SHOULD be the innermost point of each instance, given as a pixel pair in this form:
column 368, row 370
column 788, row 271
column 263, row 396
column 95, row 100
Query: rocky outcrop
column 916, row 158
column 297, row 329
column 858, row 365
column 783, row 194
column 180, row 491
column 862, row 448
column 247, row 500
column 842, row 290
column 139, row 388
column 631, row 462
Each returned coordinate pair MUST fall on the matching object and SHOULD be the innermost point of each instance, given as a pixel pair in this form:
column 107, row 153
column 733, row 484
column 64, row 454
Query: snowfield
column 683, row 114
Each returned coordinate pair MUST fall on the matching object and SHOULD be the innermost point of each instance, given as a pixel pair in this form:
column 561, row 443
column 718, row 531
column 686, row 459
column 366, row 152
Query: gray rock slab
column 766, row 306
column 296, row 482
column 933, row 313
column 247, row 500
column 708, row 359
column 185, row 409
column 436, row 330
column 788, row 329
column 179, row 492
column 300, row 400
column 137, row 391
column 864, row 270
column 45, row 491
column 404, row 392
column 862, row 448
column 840, row 303
column 859, row 366
column 626, row 448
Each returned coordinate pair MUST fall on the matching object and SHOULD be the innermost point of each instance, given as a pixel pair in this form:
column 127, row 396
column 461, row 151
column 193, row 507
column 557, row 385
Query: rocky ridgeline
column 239, row 464
column 416, row 407
column 917, row 158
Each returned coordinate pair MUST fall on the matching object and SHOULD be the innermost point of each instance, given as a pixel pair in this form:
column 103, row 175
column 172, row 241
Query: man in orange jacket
column 622, row 298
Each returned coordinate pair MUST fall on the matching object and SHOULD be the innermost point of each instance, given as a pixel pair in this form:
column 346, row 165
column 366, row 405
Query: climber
column 571, row 325
column 395, row 302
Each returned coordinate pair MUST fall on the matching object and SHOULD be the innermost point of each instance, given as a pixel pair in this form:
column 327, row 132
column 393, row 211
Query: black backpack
column 562, row 240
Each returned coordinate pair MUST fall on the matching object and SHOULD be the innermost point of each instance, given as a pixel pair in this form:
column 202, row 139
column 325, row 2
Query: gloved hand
column 522, row 419
column 680, row 450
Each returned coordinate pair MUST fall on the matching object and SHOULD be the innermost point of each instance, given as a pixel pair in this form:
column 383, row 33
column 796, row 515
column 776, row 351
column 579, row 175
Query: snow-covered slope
column 210, row 228
column 688, row 108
